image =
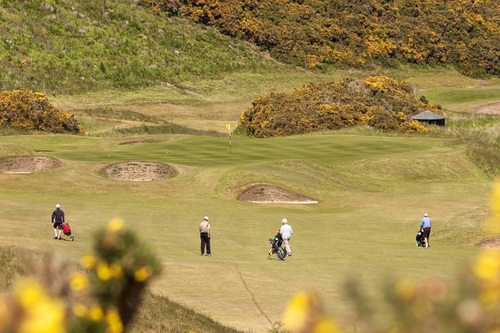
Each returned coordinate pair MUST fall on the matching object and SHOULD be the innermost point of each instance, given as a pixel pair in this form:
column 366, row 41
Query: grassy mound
column 379, row 102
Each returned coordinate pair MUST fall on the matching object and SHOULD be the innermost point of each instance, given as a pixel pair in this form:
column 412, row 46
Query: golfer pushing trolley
column 281, row 238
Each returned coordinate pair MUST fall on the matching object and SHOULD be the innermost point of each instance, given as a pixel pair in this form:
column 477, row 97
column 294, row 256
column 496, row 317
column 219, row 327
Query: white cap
column 206, row 218
column 58, row 206
column 284, row 221
column 426, row 215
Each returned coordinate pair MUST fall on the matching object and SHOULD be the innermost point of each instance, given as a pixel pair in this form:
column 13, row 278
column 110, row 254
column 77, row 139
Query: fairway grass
column 372, row 190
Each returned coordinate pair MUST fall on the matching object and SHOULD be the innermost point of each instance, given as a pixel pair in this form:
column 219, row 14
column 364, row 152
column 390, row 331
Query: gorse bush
column 314, row 33
column 32, row 111
column 379, row 102
column 104, row 299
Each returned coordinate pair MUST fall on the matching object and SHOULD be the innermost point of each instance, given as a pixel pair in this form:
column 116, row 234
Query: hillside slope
column 73, row 46
column 316, row 33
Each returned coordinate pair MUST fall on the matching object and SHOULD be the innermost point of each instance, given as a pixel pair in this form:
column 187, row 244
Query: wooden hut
column 430, row 118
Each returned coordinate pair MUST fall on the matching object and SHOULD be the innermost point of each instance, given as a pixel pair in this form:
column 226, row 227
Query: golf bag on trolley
column 67, row 230
column 420, row 238
column 276, row 247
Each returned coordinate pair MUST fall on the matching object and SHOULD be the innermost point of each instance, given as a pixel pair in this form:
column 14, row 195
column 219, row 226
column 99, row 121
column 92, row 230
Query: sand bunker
column 139, row 171
column 28, row 164
column 490, row 243
column 265, row 193
column 490, row 109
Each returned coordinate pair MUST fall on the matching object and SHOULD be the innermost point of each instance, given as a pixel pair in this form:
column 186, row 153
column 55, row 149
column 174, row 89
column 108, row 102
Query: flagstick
column 228, row 127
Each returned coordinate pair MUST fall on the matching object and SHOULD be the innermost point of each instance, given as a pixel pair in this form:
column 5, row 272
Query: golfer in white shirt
column 286, row 233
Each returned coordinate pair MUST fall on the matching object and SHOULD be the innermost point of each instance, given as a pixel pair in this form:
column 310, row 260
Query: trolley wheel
column 281, row 254
column 72, row 238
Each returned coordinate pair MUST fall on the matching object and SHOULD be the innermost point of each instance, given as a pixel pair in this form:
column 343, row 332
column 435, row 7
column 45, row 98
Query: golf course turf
column 372, row 189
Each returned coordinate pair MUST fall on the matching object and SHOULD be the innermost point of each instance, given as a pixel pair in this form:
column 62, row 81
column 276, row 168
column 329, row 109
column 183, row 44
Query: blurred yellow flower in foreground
column 116, row 271
column 305, row 315
column 104, row 271
column 143, row 273
column 405, row 289
column 96, row 313
column 114, row 322
column 487, row 266
column 29, row 293
column 89, row 261
column 115, row 225
column 41, row 313
column 80, row 310
column 78, row 281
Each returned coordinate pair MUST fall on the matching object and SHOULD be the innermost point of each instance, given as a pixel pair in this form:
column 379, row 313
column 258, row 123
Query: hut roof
column 428, row 115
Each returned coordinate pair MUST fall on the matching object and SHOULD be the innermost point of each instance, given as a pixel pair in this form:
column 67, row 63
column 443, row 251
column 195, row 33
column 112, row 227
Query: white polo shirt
column 286, row 231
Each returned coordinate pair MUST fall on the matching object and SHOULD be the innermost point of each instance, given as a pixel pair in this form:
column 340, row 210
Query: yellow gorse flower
column 116, row 271
column 80, row 310
column 114, row 225
column 405, row 289
column 487, row 269
column 297, row 311
column 88, row 261
column 96, row 313
column 79, row 281
column 326, row 325
column 104, row 271
column 29, row 293
column 41, row 313
column 487, row 266
column 304, row 314
column 114, row 322
column 143, row 273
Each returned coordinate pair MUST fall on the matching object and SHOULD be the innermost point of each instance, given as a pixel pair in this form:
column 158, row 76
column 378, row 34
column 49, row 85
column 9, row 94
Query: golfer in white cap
column 205, row 236
column 426, row 225
column 57, row 220
column 286, row 233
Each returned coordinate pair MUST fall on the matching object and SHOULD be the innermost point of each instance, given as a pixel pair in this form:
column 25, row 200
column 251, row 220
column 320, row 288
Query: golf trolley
column 67, row 230
column 276, row 247
column 420, row 238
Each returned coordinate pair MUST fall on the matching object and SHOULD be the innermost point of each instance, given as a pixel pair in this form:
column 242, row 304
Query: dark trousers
column 205, row 241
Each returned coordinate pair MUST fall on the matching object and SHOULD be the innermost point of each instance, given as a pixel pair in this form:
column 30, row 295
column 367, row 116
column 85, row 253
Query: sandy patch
column 265, row 193
column 490, row 109
column 139, row 171
column 28, row 164
column 136, row 142
column 490, row 243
